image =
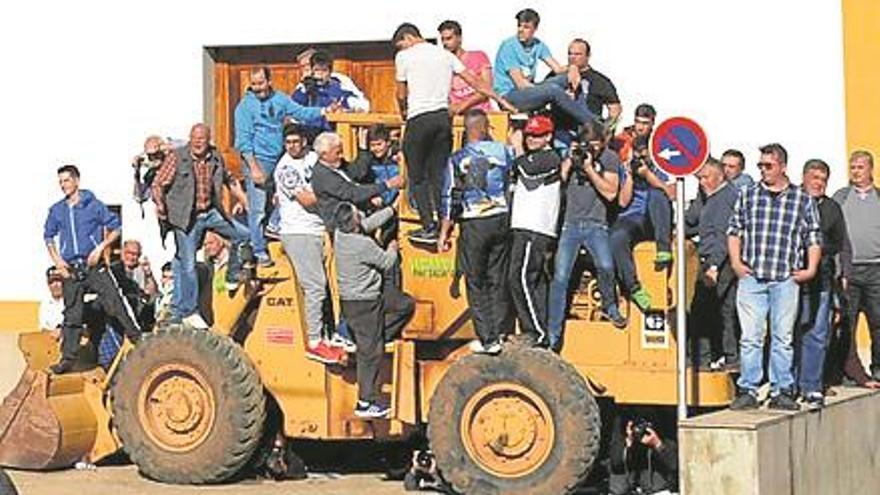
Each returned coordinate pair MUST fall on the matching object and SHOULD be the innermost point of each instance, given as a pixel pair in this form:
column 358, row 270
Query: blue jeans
column 816, row 322
column 550, row 91
column 594, row 237
column 186, row 288
column 258, row 203
column 755, row 299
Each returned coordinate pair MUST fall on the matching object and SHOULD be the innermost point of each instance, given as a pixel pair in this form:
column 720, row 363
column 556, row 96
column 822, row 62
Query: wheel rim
column 176, row 407
column 507, row 429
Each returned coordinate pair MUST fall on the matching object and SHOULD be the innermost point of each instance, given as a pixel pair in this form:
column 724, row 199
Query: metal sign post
column 680, row 313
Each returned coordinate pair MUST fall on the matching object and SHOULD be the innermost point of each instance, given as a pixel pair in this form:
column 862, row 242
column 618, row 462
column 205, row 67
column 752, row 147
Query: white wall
column 85, row 84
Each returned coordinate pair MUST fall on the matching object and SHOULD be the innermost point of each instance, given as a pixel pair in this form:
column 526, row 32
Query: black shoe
column 134, row 338
column 63, row 366
column 744, row 400
column 783, row 401
column 425, row 235
column 814, row 400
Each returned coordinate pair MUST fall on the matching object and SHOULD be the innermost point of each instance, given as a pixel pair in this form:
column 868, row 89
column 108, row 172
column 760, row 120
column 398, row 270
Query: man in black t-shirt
column 596, row 92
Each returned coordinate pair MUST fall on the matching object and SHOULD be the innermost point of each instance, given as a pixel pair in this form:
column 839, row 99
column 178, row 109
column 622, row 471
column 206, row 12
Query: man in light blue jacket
column 259, row 120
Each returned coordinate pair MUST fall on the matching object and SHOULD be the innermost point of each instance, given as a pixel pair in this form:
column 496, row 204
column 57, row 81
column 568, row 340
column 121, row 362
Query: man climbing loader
column 191, row 406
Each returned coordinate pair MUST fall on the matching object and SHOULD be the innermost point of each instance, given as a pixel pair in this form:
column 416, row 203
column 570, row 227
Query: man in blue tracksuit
column 85, row 227
column 474, row 194
column 259, row 120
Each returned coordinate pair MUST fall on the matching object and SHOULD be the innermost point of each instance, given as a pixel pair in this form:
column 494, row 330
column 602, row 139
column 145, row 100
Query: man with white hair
column 332, row 185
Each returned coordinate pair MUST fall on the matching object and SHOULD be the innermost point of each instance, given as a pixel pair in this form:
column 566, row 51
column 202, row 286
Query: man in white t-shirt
column 302, row 234
column 534, row 219
column 424, row 75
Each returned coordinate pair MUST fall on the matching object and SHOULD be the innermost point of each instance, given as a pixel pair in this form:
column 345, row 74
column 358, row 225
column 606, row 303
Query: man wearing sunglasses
column 774, row 241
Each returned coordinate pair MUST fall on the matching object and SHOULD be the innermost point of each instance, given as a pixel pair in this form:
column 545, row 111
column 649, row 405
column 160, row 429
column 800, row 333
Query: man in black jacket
column 714, row 304
column 817, row 297
column 332, row 185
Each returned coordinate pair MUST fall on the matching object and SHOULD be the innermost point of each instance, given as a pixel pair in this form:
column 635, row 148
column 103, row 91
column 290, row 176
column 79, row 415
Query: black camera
column 640, row 428
column 580, row 152
column 637, row 163
column 518, row 121
column 78, row 273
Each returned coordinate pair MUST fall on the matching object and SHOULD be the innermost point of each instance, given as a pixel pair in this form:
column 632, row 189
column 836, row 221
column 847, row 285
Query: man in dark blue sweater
column 714, row 304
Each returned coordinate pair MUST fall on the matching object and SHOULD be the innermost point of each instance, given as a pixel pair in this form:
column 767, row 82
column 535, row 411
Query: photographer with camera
column 320, row 89
column 474, row 190
column 79, row 221
column 644, row 214
column 358, row 102
column 642, row 460
column 590, row 189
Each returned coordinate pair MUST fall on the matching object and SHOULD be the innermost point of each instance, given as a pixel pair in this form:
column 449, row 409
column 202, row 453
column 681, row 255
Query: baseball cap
column 538, row 125
column 52, row 273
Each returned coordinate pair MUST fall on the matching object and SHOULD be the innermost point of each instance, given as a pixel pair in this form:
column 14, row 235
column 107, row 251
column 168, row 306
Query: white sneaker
column 343, row 343
column 195, row 321
column 477, row 347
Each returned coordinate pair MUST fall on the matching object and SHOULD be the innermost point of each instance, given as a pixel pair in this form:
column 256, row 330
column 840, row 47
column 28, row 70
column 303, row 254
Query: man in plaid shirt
column 775, row 244
column 187, row 192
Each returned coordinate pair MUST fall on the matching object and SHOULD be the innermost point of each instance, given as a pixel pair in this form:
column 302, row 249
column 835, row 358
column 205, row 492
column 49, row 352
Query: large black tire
column 483, row 445
column 189, row 406
column 6, row 486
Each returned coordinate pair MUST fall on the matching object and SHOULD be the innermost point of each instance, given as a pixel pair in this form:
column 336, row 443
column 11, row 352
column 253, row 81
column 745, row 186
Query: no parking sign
column 679, row 146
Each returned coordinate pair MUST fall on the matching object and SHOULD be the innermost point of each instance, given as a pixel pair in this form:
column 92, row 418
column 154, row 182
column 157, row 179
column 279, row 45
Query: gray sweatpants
column 306, row 252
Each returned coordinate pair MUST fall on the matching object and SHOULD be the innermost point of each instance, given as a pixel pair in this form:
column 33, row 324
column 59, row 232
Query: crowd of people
column 773, row 256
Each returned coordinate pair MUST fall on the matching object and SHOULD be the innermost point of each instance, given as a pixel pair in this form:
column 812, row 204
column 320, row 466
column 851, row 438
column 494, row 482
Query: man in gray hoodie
column 374, row 315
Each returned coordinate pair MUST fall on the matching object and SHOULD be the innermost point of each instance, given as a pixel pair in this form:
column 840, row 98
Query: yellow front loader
column 191, row 406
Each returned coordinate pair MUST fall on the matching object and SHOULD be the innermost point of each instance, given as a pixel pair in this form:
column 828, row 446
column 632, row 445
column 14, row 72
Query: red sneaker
column 323, row 353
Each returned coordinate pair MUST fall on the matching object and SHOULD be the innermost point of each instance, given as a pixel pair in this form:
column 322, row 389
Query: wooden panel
column 376, row 79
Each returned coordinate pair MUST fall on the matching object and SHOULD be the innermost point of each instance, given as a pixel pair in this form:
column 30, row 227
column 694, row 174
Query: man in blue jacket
column 85, row 227
column 259, row 120
column 321, row 88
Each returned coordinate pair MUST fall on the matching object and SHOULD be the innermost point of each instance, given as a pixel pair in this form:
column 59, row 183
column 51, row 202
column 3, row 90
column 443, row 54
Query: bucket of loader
column 52, row 421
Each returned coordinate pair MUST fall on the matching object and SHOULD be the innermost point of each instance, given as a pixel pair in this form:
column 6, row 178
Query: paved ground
column 125, row 480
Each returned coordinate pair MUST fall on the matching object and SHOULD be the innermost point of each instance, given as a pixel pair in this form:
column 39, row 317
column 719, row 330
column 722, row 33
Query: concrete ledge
column 833, row 450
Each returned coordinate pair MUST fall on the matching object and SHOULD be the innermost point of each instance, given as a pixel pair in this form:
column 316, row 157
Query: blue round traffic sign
column 679, row 146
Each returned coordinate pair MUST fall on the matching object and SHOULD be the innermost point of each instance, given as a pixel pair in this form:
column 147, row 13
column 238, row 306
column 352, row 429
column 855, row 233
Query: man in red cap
column 534, row 219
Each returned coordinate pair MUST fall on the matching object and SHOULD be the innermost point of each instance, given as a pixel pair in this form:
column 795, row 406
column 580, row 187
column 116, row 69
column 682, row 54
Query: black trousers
column 529, row 276
column 427, row 143
column 484, row 258
column 100, row 281
column 863, row 294
column 372, row 323
column 714, row 321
